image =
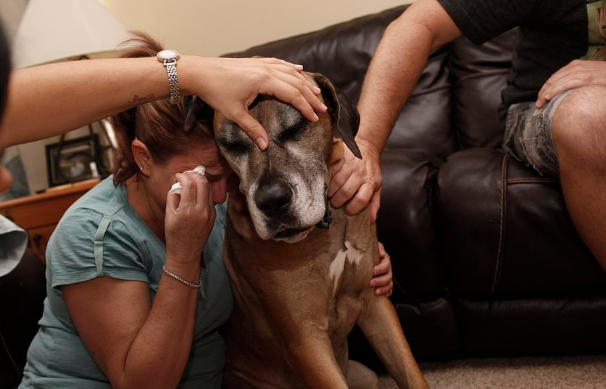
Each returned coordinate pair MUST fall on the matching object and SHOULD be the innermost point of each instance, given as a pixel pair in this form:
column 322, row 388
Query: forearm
column 392, row 76
column 397, row 65
column 159, row 354
column 48, row 100
column 136, row 341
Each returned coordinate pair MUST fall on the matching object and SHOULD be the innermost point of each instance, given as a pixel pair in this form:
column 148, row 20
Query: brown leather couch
column 486, row 259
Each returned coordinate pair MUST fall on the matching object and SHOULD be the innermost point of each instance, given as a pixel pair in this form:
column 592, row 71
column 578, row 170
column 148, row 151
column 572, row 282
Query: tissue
column 176, row 188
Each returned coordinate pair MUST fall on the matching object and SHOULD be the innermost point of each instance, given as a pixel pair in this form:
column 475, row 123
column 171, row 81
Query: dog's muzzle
column 274, row 198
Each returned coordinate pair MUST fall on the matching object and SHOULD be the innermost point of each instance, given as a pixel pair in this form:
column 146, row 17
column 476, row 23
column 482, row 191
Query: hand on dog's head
column 344, row 115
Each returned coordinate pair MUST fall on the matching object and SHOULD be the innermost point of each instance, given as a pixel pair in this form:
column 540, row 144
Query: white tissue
column 176, row 188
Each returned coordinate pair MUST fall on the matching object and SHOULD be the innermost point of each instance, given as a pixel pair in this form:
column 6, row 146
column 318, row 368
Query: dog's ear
column 197, row 111
column 344, row 115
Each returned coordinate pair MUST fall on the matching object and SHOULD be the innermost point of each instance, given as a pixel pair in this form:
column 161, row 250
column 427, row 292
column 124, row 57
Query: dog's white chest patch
column 349, row 254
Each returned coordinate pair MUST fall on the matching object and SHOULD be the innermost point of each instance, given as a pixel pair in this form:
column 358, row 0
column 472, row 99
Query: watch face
column 167, row 55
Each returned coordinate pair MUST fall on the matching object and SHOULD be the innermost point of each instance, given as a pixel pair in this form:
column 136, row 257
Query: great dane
column 300, row 269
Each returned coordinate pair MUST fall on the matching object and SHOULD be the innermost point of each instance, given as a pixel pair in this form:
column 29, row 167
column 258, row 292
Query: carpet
column 582, row 372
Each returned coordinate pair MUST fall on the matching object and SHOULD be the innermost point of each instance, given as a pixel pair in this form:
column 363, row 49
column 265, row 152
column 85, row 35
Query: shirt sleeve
column 87, row 245
column 482, row 20
column 13, row 241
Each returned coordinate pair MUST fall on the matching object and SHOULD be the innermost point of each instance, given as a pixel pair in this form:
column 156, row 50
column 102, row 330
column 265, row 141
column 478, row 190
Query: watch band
column 169, row 58
column 173, row 80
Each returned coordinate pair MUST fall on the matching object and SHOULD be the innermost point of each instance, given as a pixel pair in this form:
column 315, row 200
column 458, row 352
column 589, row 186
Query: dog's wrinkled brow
column 233, row 133
column 290, row 117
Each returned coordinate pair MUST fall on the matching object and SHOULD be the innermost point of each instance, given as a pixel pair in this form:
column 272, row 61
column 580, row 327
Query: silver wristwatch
column 169, row 58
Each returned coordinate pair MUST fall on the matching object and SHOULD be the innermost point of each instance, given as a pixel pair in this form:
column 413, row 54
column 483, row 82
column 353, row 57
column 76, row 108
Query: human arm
column 137, row 342
column 576, row 74
column 392, row 75
column 48, row 100
column 382, row 277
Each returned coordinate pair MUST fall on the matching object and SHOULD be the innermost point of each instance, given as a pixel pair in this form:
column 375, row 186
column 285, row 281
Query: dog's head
column 285, row 185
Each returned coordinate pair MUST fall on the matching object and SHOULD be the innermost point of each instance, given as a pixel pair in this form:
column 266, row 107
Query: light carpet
column 582, row 372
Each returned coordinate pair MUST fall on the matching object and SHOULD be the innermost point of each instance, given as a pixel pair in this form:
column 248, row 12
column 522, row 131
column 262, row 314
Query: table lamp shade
column 54, row 30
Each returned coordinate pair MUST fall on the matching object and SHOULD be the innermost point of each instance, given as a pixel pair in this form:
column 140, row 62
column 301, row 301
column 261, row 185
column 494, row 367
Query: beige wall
column 215, row 27
column 207, row 28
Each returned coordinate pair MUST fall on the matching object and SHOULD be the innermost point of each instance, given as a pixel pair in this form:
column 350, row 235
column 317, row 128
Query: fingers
column 385, row 290
column 347, row 177
column 347, row 190
column 252, row 128
column 190, row 217
column 360, row 200
column 382, row 268
column 172, row 202
column 382, row 279
column 298, row 91
column 547, row 91
column 554, row 88
column 356, row 183
column 383, row 284
column 375, row 205
column 340, row 174
column 576, row 74
column 195, row 191
column 236, row 83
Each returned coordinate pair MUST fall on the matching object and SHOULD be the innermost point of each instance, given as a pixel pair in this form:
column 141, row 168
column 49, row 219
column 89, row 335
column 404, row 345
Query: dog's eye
column 236, row 147
column 295, row 132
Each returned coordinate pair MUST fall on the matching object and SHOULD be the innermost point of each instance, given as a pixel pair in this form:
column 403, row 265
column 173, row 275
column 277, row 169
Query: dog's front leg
column 379, row 323
column 313, row 357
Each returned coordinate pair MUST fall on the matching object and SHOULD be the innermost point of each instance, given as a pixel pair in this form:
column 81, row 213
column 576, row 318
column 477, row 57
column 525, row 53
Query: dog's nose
column 273, row 198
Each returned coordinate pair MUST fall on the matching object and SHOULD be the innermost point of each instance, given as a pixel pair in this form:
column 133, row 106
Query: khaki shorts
column 528, row 135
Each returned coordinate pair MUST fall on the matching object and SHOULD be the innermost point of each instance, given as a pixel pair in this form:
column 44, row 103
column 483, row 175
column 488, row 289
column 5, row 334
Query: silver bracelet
column 176, row 277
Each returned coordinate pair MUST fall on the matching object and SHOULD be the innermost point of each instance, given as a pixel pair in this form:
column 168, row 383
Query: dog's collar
column 325, row 223
column 327, row 220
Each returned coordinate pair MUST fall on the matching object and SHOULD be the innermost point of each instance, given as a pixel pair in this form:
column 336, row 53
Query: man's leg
column 579, row 135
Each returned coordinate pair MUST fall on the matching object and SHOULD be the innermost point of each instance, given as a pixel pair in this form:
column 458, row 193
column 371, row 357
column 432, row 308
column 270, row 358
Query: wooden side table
column 39, row 214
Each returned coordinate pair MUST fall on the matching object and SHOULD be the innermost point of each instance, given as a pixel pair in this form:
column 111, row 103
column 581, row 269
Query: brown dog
column 300, row 270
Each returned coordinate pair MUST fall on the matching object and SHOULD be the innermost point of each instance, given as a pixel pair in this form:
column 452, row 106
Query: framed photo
column 72, row 160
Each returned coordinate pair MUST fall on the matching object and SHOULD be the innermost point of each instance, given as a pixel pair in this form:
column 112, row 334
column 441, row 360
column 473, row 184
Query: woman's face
column 218, row 173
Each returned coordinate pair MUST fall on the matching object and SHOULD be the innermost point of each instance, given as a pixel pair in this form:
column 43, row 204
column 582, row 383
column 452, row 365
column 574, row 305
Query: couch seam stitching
column 541, row 180
column 503, row 215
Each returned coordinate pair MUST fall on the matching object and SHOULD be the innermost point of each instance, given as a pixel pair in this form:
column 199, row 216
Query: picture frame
column 73, row 160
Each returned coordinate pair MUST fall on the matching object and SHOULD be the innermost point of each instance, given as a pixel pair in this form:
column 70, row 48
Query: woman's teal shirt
column 102, row 235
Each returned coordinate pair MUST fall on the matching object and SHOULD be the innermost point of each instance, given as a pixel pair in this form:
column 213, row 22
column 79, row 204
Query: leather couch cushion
column 506, row 233
column 406, row 228
column 532, row 326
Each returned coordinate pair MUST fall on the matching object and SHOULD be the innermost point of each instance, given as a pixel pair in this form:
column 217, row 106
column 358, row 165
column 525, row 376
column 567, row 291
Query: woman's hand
column 189, row 218
column 357, row 182
column 382, row 279
column 230, row 85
